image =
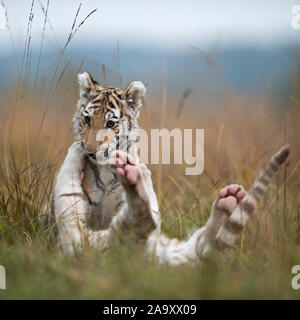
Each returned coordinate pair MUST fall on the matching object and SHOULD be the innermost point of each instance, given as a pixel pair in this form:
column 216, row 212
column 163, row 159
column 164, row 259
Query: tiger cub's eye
column 110, row 124
column 87, row 120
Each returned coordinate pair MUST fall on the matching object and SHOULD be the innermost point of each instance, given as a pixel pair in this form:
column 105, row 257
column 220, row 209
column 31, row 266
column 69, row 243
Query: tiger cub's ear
column 134, row 92
column 86, row 85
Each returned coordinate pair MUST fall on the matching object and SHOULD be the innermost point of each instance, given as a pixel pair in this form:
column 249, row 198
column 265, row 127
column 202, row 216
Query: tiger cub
column 97, row 201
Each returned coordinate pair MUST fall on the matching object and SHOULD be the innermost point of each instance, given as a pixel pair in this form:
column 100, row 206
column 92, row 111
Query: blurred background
column 193, row 56
column 230, row 67
column 250, row 45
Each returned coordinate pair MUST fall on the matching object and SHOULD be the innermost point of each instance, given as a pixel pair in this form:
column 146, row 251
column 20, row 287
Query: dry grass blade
column 51, row 90
column 182, row 101
column 41, row 46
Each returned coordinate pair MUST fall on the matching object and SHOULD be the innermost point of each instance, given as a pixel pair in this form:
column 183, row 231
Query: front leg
column 71, row 207
column 142, row 208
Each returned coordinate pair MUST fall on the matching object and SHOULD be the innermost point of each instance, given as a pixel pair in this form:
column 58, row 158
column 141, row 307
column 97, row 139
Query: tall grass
column 241, row 132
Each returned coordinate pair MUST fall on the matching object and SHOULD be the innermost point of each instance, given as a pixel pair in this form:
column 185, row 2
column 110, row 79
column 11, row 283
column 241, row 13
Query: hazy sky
column 163, row 23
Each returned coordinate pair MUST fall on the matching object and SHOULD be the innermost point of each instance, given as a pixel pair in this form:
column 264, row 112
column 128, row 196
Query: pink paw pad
column 229, row 197
column 126, row 168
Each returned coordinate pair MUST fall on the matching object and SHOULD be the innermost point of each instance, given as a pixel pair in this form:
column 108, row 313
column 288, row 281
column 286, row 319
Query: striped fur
column 238, row 219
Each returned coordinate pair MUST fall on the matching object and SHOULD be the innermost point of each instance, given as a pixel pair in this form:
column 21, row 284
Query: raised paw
column 127, row 169
column 229, row 197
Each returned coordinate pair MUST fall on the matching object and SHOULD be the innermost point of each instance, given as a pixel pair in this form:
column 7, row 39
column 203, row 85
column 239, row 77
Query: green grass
column 37, row 273
column 259, row 267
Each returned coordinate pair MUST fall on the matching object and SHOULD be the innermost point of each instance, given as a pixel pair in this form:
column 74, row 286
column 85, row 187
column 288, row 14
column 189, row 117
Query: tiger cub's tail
column 238, row 219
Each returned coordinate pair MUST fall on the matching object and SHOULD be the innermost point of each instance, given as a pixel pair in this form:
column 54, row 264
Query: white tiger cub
column 95, row 201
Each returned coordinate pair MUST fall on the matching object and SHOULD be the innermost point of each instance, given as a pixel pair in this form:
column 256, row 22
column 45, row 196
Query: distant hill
column 243, row 69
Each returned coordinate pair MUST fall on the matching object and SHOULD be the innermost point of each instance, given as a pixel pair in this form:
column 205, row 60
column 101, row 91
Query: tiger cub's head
column 106, row 118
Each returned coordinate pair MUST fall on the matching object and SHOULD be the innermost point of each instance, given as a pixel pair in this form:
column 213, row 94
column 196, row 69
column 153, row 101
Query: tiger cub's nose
column 91, row 151
column 91, row 148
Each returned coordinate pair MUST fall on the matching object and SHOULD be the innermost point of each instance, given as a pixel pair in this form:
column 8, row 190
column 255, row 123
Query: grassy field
column 241, row 133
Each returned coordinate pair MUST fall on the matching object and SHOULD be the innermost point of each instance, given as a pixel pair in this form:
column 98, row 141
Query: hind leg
column 201, row 244
column 226, row 201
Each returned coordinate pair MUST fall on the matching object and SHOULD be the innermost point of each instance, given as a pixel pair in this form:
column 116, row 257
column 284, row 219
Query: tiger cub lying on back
column 96, row 202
